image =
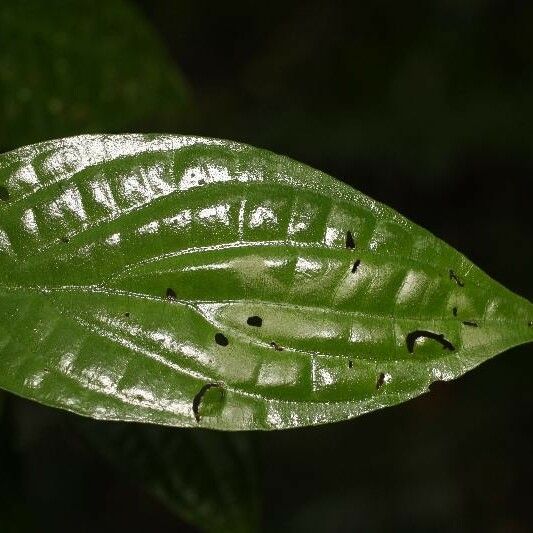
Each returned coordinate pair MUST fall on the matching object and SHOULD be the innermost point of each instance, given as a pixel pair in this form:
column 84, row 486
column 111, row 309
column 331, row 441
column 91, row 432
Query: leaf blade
column 143, row 258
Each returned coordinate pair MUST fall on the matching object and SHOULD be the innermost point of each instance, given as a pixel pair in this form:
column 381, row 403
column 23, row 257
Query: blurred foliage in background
column 80, row 66
column 427, row 107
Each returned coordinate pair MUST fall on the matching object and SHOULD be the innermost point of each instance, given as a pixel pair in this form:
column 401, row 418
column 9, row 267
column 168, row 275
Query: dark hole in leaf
column 455, row 278
column 127, row 315
column 197, row 400
column 4, row 193
column 255, row 320
column 171, row 295
column 454, row 311
column 350, row 243
column 439, row 337
column 356, row 266
column 46, row 369
column 350, row 364
column 65, row 239
column 381, row 380
column 276, row 346
column 221, row 339
column 470, row 323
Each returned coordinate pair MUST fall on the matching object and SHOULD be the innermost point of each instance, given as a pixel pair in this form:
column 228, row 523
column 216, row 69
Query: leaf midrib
column 195, row 304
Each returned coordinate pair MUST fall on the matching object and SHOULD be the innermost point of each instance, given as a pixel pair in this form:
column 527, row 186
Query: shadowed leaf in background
column 206, row 478
column 80, row 67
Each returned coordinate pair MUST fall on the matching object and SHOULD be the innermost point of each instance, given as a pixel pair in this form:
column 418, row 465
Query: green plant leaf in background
column 204, row 283
column 70, row 67
column 207, row 478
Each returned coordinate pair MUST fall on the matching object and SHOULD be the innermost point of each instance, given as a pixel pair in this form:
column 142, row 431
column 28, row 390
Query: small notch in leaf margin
column 438, row 385
column 350, row 243
column 455, row 277
column 439, row 337
column 197, row 400
column 4, row 194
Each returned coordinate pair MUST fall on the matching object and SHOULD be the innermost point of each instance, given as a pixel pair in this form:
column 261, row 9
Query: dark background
column 425, row 106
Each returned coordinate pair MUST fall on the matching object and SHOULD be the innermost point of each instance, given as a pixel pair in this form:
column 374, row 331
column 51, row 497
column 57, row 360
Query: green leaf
column 205, row 477
column 70, row 67
column 197, row 282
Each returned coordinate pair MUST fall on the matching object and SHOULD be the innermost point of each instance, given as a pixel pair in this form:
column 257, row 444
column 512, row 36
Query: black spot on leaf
column 276, row 346
column 127, row 315
column 4, row 193
column 65, row 240
column 255, row 320
column 221, row 339
column 470, row 323
column 454, row 311
column 350, row 243
column 454, row 277
column 380, row 381
column 439, row 337
column 350, row 364
column 170, row 294
column 356, row 266
column 197, row 400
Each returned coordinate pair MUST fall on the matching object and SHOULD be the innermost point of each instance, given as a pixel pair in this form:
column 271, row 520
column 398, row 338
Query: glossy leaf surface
column 197, row 282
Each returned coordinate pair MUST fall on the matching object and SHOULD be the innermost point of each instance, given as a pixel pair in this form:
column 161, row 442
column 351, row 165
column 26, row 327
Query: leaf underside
column 196, row 282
